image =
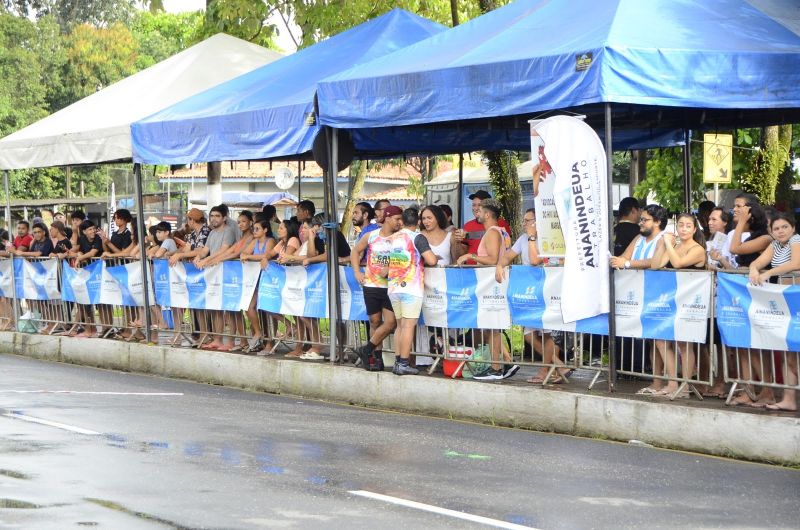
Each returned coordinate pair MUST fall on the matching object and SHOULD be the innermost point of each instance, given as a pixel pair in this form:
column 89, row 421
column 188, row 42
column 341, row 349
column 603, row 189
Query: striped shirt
column 782, row 254
column 644, row 249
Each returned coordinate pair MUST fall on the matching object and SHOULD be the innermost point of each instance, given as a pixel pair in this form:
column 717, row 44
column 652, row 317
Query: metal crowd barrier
column 460, row 352
column 746, row 368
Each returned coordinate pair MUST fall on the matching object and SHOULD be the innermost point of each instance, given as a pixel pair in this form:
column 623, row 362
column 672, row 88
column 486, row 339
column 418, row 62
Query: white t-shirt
column 726, row 250
column 520, row 246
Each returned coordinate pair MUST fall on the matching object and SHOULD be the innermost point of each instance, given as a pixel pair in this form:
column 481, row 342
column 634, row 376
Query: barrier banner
column 228, row 286
column 534, row 299
column 465, row 298
column 36, row 280
column 580, row 192
column 668, row 305
column 294, row 290
column 82, row 285
column 5, row 279
column 122, row 285
column 351, row 296
column 764, row 316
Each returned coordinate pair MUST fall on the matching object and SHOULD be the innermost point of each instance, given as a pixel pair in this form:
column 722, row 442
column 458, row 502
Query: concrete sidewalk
column 703, row 429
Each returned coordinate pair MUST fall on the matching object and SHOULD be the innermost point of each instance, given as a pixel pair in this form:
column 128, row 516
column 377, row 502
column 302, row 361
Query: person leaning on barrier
column 686, row 251
column 490, row 250
column 527, row 250
column 318, row 251
column 409, row 251
column 375, row 284
column 472, row 234
column 23, row 239
column 262, row 242
column 40, row 246
column 195, row 239
column 718, row 221
column 640, row 251
column 781, row 257
column 750, row 236
column 60, row 240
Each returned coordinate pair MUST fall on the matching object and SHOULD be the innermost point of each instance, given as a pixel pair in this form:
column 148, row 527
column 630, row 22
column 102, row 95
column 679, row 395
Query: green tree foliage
column 161, row 35
column 246, row 19
column 69, row 12
column 665, row 177
column 766, row 165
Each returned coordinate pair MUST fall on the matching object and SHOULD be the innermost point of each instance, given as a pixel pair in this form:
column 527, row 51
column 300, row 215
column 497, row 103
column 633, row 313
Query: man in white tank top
column 640, row 253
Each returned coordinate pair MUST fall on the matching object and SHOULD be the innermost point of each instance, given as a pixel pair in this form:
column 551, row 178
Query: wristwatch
column 531, row 238
column 627, row 264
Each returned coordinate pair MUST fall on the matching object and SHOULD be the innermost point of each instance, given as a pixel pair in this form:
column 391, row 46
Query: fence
column 665, row 319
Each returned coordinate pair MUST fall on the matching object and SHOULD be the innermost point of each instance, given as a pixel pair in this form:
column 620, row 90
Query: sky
column 178, row 6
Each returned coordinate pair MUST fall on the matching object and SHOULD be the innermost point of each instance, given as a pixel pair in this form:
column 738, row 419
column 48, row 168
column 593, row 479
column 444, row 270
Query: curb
column 754, row 437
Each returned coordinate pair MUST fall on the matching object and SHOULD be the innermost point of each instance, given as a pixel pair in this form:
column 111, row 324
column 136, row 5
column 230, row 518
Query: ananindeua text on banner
column 580, row 192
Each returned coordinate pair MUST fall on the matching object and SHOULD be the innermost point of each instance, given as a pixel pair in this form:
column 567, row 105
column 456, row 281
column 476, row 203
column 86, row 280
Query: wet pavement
column 128, row 451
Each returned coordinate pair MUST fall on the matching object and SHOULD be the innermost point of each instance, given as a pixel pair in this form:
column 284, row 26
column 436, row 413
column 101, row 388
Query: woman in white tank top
column 441, row 241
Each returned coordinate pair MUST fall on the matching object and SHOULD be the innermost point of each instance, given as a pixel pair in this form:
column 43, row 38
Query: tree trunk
column 454, row 11
column 356, row 185
column 769, row 162
column 505, row 181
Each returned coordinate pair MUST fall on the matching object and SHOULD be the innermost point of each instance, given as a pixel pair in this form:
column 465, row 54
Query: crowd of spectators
column 393, row 246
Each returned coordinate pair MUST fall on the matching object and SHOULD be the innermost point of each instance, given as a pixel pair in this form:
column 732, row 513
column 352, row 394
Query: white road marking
column 441, row 511
column 91, row 393
column 31, row 419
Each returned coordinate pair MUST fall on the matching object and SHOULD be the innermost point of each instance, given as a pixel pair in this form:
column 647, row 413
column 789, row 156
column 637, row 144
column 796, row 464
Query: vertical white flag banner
column 550, row 237
column 580, row 190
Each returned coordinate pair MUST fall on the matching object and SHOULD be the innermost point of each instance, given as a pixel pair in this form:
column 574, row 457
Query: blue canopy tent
column 663, row 64
column 649, row 68
column 269, row 112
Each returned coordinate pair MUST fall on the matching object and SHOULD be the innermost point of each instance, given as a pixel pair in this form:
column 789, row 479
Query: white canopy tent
column 97, row 128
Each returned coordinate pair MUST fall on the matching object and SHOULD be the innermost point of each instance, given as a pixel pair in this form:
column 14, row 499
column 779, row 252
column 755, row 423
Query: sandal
column 647, row 391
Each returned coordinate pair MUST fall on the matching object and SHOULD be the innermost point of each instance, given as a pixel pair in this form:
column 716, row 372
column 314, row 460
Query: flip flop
column 779, row 408
column 647, row 391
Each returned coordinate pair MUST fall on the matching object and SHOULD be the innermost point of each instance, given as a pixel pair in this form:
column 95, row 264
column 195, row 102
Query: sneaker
column 510, row 370
column 364, row 354
column 405, row 369
column 490, row 375
column 312, row 356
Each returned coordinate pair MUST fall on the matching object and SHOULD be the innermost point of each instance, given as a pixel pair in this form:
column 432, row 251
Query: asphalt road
column 128, row 451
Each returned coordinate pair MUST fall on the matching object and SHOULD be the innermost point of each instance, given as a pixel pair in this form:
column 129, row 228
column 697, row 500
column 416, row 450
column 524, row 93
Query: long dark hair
column 267, row 227
column 698, row 236
column 292, row 229
column 437, row 212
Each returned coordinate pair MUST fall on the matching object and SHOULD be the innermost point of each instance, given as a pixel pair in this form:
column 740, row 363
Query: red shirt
column 23, row 241
column 475, row 231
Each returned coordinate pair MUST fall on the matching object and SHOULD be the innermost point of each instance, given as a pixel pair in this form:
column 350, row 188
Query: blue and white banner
column 82, row 285
column 764, row 316
column 122, row 285
column 228, row 286
column 297, row 291
column 6, row 284
column 670, row 305
column 534, row 299
column 34, row 280
column 465, row 298
column 351, row 296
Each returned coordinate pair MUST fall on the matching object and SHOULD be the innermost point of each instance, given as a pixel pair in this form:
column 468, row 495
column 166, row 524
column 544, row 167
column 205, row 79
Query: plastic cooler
column 452, row 360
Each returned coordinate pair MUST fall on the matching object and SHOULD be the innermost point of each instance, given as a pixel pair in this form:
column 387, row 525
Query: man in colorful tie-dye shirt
column 377, row 246
column 409, row 250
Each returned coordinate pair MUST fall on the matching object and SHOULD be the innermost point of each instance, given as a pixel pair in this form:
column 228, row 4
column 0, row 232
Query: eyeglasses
column 528, row 220
column 644, row 220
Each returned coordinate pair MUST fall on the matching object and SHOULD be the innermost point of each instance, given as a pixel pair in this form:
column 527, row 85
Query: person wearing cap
column 378, row 246
column 473, row 230
column 410, row 250
column 491, row 248
column 196, row 240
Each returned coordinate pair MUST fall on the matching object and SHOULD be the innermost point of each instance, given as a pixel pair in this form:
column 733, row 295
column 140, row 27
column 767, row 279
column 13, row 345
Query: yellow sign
column 717, row 158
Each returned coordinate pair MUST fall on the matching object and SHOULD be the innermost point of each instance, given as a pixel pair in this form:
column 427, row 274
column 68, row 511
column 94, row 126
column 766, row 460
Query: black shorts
column 377, row 299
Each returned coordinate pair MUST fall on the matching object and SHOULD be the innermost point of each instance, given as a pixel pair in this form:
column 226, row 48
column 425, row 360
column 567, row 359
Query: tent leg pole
column 687, row 171
column 460, row 192
column 15, row 301
column 137, row 178
column 612, row 322
column 331, row 228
